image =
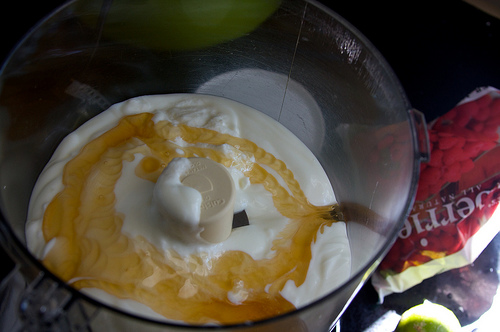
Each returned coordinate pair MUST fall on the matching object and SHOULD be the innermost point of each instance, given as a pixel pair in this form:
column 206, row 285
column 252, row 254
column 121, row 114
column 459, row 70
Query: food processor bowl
column 296, row 61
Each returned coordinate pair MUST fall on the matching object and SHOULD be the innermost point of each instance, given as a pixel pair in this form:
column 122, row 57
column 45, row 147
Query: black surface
column 441, row 51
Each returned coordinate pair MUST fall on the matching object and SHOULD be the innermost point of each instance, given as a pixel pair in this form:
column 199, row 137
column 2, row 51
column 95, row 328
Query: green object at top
column 176, row 24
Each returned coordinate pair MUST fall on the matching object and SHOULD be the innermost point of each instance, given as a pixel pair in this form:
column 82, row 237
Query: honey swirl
column 89, row 249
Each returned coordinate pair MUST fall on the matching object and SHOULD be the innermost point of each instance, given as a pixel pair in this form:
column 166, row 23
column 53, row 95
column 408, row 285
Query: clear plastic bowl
column 300, row 63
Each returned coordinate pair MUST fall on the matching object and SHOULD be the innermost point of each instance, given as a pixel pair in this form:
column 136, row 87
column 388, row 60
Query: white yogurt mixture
column 330, row 263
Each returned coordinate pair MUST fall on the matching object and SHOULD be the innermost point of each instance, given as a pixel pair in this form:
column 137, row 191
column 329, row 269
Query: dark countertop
column 440, row 54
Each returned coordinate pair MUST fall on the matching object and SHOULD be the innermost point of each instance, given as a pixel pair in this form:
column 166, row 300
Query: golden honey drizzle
column 91, row 250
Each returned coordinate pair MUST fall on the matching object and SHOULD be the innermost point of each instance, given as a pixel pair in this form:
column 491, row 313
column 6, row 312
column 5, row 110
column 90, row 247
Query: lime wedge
column 428, row 317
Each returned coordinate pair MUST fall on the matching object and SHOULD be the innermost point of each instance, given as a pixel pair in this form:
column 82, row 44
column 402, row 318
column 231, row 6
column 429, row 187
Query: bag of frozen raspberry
column 453, row 217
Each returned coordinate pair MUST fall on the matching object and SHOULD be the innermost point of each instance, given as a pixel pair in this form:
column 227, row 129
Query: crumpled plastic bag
column 454, row 216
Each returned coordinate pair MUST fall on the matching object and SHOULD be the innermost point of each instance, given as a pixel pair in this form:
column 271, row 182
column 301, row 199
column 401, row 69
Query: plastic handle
column 46, row 306
column 422, row 135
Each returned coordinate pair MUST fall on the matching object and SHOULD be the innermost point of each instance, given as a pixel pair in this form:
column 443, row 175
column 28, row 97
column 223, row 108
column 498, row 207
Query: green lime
column 428, row 317
column 176, row 24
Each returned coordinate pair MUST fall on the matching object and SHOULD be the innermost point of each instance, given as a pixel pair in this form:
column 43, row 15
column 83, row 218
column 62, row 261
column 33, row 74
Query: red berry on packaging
column 466, row 166
column 495, row 106
column 469, row 108
column 476, row 125
column 449, row 115
column 482, row 114
column 436, row 158
column 470, row 135
column 433, row 136
column 452, row 172
column 460, row 141
column 473, row 149
column 451, row 156
column 484, row 101
column 462, row 119
column 488, row 145
column 490, row 131
column 443, row 134
column 448, row 142
column 430, row 175
column 494, row 121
